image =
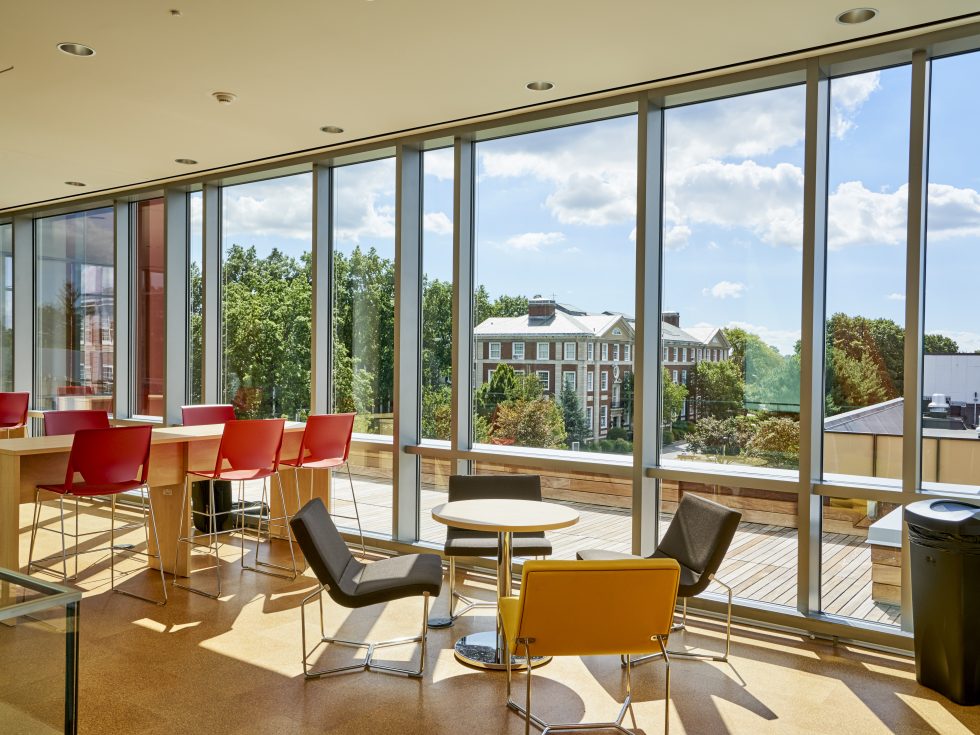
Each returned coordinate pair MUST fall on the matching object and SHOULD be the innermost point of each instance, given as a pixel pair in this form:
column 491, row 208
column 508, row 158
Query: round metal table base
column 440, row 622
column 480, row 651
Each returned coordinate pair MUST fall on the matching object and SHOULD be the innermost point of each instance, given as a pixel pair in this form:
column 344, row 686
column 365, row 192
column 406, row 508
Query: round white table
column 486, row 650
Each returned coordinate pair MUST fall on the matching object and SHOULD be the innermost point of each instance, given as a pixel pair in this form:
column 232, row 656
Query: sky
column 556, row 209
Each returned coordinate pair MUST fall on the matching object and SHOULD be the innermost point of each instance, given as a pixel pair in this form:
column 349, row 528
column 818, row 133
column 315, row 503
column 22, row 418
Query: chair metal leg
column 367, row 663
column 357, row 515
column 258, row 537
column 468, row 604
column 213, row 542
column 150, row 521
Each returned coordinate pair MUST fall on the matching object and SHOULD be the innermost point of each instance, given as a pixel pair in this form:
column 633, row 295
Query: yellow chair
column 591, row 608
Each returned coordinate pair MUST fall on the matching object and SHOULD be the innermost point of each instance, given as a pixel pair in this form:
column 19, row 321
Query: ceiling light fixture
column 75, row 49
column 332, row 129
column 74, row 183
column 856, row 15
column 540, row 86
column 175, row 12
column 224, row 98
column 186, row 161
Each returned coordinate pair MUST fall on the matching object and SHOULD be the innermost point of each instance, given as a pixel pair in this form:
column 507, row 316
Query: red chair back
column 327, row 436
column 253, row 444
column 107, row 457
column 13, row 409
column 61, row 423
column 217, row 413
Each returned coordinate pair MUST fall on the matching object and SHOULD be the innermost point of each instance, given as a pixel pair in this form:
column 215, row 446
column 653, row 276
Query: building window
column 542, row 351
column 603, row 417
column 588, row 416
column 626, row 353
column 518, row 350
column 665, row 354
column 605, row 352
column 684, row 354
column 590, row 351
column 684, row 377
column 494, row 350
column 616, row 395
column 604, row 380
column 545, row 377
column 674, row 376
column 615, row 353
column 568, row 377
column 589, row 382
column 519, row 371
column 490, row 375
column 569, row 350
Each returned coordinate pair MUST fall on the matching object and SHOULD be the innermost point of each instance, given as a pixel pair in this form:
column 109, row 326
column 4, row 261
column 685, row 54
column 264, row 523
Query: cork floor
column 233, row 666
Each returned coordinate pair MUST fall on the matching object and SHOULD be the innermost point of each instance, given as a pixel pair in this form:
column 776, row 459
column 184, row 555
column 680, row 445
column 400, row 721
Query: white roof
column 559, row 325
column 705, row 335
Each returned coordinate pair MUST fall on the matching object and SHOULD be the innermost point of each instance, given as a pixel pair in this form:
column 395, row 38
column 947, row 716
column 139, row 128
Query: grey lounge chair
column 463, row 542
column 354, row 584
column 697, row 538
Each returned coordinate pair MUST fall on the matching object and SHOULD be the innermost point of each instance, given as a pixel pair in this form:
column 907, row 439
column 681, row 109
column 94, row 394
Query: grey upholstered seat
column 697, row 538
column 352, row 583
column 462, row 542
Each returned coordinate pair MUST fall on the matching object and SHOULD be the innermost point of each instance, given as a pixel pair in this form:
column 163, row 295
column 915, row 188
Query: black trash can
column 944, row 536
column 201, row 503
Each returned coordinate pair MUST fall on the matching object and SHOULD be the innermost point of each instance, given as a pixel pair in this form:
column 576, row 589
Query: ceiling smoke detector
column 856, row 15
column 332, row 129
column 224, row 98
column 539, row 86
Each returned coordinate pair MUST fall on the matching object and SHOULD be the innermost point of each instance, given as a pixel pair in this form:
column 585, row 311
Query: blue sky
column 556, row 209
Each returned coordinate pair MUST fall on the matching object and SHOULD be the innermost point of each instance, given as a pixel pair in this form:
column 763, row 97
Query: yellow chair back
column 583, row 608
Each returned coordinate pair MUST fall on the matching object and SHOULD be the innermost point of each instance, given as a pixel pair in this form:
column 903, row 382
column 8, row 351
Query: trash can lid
column 951, row 515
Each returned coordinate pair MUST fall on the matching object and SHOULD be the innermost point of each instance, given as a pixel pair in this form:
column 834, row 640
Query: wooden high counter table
column 28, row 462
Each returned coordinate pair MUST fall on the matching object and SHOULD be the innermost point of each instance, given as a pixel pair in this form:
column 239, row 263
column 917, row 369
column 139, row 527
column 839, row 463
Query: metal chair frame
column 617, row 724
column 213, row 534
column 367, row 664
column 353, row 496
column 149, row 520
column 683, row 626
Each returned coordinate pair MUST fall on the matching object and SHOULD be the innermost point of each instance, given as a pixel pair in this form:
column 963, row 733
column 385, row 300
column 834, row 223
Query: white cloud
column 197, row 213
column 439, row 163
column 783, row 340
column 275, row 208
column 895, row 297
column 725, row 290
column 534, row 240
column 848, row 95
column 967, row 341
column 365, row 204
column 676, row 237
column 438, row 223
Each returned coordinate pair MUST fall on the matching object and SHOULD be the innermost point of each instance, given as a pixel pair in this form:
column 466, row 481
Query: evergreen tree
column 576, row 427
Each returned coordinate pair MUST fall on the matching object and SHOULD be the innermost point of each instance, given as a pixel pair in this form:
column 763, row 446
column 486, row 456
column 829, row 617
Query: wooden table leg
column 168, row 511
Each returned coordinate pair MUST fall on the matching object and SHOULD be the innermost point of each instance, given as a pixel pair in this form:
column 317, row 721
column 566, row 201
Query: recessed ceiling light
column 76, row 49
column 175, row 12
column 540, row 86
column 224, row 98
column 186, row 161
column 332, row 129
column 74, row 183
column 856, row 15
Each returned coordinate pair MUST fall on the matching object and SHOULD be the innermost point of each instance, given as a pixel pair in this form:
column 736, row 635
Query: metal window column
column 124, row 386
column 23, row 305
column 175, row 271
column 464, row 227
column 915, row 272
column 321, row 349
column 647, row 383
column 408, row 337
column 211, row 297
column 812, row 340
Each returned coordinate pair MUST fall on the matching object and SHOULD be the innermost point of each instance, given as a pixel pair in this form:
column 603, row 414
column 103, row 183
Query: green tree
column 939, row 344
column 627, row 392
column 576, row 427
column 436, row 412
column 718, row 389
column 777, row 441
column 772, row 380
column 535, row 423
column 673, row 395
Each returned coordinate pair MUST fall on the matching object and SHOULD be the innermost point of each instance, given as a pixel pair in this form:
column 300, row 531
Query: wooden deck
column 761, row 564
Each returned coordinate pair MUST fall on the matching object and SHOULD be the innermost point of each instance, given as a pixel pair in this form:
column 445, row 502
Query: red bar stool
column 13, row 412
column 325, row 446
column 249, row 451
column 110, row 462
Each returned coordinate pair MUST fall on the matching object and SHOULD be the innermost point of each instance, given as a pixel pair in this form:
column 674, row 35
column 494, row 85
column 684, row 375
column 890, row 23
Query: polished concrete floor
column 233, row 666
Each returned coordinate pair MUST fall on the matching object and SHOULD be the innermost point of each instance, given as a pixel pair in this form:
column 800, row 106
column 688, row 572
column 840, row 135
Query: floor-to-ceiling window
column 75, row 324
column 364, row 326
column 730, row 325
column 266, row 233
column 6, row 308
column 150, row 307
column 195, row 288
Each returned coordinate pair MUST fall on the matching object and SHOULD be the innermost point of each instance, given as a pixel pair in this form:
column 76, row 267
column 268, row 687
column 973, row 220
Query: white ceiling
column 121, row 117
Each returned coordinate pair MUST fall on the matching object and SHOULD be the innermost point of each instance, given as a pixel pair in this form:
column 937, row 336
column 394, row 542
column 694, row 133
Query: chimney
column 672, row 318
column 540, row 307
